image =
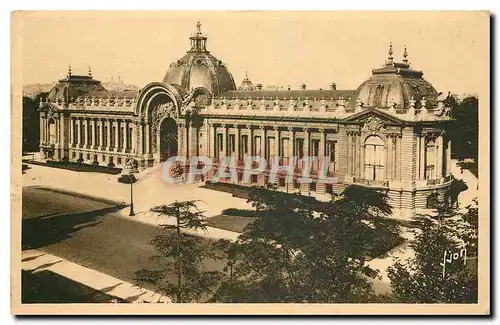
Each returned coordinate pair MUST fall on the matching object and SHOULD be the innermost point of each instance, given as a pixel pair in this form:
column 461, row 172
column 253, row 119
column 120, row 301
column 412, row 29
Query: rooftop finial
column 405, row 56
column 246, row 74
column 90, row 72
column 198, row 27
column 390, row 58
column 69, row 70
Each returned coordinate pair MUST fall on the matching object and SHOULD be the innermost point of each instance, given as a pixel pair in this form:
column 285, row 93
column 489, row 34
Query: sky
column 276, row 48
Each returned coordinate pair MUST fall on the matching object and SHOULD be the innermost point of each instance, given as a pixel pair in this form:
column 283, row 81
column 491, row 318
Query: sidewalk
column 36, row 261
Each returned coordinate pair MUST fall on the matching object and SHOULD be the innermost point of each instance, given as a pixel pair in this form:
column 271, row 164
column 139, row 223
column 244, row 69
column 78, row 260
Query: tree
column 464, row 130
column 302, row 250
column 31, row 122
column 432, row 276
column 181, row 255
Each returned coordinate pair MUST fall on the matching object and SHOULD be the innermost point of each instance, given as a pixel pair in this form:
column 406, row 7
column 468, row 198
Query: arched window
column 52, row 131
column 374, row 158
column 430, row 159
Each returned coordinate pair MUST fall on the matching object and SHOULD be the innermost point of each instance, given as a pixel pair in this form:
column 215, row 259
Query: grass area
column 49, row 287
column 377, row 242
column 79, row 167
column 230, row 222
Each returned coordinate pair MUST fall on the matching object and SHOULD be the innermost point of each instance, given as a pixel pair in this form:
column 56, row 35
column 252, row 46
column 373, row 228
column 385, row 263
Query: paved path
column 37, row 261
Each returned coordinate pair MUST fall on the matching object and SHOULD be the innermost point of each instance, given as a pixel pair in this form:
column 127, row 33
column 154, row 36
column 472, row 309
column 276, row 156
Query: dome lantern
column 198, row 40
column 200, row 69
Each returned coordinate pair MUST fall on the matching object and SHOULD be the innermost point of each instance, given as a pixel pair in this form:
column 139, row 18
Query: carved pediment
column 373, row 114
column 373, row 124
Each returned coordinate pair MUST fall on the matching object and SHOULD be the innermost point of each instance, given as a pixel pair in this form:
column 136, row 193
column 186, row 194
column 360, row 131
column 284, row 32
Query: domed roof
column 395, row 84
column 246, row 84
column 73, row 86
column 198, row 68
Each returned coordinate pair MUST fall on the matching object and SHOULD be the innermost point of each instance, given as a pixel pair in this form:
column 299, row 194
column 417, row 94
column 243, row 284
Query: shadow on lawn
column 48, row 229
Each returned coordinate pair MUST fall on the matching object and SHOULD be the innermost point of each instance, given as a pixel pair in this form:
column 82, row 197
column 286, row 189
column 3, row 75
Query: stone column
column 237, row 143
column 357, row 144
column 193, row 139
column 322, row 144
column 439, row 165
column 79, row 133
column 224, row 141
column 422, row 156
column 116, row 124
column 291, row 143
column 101, row 132
column 108, row 135
column 133, row 140
column 398, row 158
column 349, row 153
column 125, row 136
column 140, row 138
column 276, row 142
column 71, row 131
column 94, row 144
column 389, row 161
column 185, row 139
column 213, row 139
column 250, row 140
column 147, row 150
column 262, row 141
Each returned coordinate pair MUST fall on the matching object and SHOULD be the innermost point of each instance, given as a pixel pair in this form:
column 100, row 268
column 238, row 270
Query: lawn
column 229, row 222
column 377, row 243
column 78, row 167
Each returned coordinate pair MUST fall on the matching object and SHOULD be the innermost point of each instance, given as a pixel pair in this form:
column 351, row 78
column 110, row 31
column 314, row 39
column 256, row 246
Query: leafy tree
column 464, row 130
column 178, row 257
column 31, row 122
column 302, row 250
column 422, row 278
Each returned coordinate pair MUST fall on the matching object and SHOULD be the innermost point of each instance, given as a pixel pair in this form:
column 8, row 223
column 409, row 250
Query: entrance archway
column 168, row 138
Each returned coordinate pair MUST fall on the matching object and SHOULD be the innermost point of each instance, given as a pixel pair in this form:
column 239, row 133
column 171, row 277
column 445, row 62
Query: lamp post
column 128, row 177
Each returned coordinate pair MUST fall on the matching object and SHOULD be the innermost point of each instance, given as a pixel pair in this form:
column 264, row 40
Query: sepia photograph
column 246, row 162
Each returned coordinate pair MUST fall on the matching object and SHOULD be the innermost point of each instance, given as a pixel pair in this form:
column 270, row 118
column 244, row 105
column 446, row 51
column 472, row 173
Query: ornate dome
column 246, row 84
column 394, row 85
column 198, row 68
column 73, row 86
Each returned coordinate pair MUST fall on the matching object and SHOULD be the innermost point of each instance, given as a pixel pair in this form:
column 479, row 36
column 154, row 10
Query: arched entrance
column 168, row 138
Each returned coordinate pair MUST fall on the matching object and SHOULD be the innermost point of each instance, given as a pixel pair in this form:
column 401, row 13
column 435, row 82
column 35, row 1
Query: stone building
column 389, row 133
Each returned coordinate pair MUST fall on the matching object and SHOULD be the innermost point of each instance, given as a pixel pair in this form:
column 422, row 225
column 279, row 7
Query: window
column 430, row 159
column 113, row 130
column 299, row 147
column 285, row 148
column 232, row 143
column 315, row 148
column 220, row 144
column 105, row 136
column 256, row 146
column 330, row 147
column 244, row 144
column 270, row 149
column 52, row 131
column 374, row 158
column 89, row 135
column 82, row 135
column 129, row 138
column 97, row 138
column 75, row 132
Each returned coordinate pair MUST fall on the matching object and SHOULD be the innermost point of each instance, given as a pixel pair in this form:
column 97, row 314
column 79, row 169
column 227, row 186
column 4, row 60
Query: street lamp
column 128, row 177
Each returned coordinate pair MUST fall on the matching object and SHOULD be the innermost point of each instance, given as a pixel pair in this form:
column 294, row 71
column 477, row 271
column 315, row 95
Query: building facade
column 389, row 133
